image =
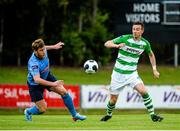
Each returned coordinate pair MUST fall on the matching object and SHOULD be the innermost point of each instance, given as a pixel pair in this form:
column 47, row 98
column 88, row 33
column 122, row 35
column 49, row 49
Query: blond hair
column 39, row 43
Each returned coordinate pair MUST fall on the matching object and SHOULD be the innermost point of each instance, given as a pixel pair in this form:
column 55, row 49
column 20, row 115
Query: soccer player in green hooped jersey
column 125, row 73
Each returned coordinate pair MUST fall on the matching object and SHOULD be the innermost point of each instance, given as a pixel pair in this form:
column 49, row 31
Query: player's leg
column 36, row 94
column 148, row 102
column 66, row 98
column 68, row 102
column 110, row 106
column 38, row 108
column 41, row 106
column 116, row 86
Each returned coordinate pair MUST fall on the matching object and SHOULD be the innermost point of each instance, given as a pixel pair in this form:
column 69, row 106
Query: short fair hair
column 139, row 23
column 39, row 43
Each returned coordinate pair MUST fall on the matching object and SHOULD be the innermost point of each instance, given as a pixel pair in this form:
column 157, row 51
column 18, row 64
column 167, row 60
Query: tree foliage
column 78, row 23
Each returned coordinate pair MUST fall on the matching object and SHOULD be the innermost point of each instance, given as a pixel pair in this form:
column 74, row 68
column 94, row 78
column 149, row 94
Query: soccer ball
column 90, row 66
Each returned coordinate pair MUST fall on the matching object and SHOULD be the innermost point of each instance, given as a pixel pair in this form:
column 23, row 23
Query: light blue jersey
column 37, row 66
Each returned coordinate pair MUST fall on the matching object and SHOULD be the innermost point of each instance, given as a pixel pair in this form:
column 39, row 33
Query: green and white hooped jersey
column 128, row 56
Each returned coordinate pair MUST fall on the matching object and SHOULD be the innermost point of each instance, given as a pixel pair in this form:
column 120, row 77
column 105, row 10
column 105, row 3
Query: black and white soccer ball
column 90, row 66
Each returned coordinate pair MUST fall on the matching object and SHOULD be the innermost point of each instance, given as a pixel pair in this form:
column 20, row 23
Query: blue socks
column 69, row 104
column 33, row 110
column 67, row 101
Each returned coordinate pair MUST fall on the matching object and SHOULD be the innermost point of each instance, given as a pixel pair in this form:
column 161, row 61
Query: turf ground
column 17, row 75
column 64, row 122
column 120, row 121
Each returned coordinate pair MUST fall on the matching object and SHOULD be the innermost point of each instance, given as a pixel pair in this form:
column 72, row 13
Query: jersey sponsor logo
column 133, row 51
column 46, row 69
column 34, row 67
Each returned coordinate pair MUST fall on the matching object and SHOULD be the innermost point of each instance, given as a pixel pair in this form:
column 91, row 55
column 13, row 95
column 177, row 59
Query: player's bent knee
column 62, row 91
column 113, row 101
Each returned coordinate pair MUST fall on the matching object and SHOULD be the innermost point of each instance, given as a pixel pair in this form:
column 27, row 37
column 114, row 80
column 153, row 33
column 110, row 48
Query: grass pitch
column 64, row 122
column 17, row 75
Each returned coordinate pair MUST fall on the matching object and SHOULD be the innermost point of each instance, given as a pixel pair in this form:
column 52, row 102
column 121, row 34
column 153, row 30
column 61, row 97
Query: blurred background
column 84, row 26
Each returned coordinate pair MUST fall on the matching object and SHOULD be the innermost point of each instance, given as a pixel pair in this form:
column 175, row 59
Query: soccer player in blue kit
column 40, row 78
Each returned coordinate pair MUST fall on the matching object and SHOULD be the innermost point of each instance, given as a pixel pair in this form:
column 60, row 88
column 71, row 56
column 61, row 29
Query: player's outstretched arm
column 153, row 63
column 41, row 81
column 110, row 44
column 55, row 46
